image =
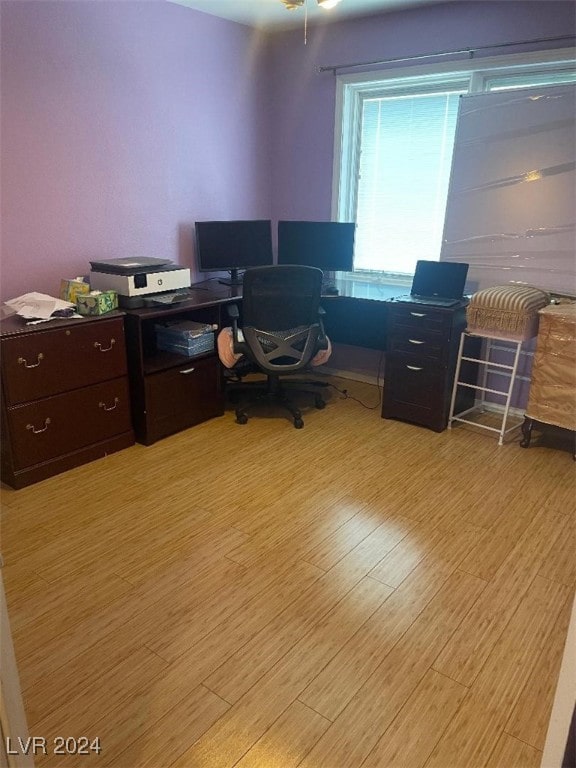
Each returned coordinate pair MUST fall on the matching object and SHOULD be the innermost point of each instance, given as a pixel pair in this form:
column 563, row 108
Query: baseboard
column 367, row 379
column 350, row 375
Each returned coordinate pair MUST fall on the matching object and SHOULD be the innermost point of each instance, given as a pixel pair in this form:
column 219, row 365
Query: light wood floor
column 360, row 592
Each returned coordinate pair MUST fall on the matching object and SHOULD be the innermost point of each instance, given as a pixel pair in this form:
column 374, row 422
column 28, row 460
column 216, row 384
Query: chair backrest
column 281, row 323
column 277, row 298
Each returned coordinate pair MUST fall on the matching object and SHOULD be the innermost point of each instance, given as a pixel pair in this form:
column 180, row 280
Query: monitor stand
column 329, row 284
column 234, row 279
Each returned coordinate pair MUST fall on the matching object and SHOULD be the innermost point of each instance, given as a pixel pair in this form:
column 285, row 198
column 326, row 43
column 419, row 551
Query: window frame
column 475, row 74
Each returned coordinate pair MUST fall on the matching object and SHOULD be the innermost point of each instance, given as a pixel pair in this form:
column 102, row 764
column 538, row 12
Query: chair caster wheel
column 298, row 423
column 319, row 403
column 241, row 418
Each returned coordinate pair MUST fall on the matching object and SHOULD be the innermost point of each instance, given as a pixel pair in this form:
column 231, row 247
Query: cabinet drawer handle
column 104, row 349
column 418, row 314
column 38, row 431
column 414, row 368
column 23, row 361
column 416, row 341
column 111, row 408
column 188, row 370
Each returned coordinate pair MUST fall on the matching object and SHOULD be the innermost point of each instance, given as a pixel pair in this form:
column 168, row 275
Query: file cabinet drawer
column 182, row 397
column 414, row 391
column 412, row 380
column 46, row 362
column 47, row 428
column 427, row 346
column 424, row 318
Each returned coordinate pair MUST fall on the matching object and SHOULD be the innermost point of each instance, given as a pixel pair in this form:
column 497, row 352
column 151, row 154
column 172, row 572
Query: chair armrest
column 233, row 311
column 322, row 338
column 238, row 343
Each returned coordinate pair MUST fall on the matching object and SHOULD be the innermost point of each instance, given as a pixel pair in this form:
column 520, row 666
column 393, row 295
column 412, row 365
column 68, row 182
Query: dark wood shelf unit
column 171, row 392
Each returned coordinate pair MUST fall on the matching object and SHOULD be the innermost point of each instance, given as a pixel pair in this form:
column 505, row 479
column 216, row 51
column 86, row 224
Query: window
column 404, row 168
column 394, row 144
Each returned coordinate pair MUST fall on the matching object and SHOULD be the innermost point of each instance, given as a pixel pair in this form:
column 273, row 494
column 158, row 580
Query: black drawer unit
column 422, row 349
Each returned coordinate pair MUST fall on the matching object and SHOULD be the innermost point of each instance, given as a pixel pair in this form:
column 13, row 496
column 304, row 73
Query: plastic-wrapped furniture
column 552, row 398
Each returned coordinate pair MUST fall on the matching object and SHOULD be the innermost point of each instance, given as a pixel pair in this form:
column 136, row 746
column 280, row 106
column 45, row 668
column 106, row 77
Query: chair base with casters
column 275, row 392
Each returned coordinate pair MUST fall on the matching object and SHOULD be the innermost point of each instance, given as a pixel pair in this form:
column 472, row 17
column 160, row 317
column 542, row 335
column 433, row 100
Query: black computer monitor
column 328, row 245
column 232, row 246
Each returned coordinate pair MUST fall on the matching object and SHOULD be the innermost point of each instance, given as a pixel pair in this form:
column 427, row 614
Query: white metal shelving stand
column 487, row 366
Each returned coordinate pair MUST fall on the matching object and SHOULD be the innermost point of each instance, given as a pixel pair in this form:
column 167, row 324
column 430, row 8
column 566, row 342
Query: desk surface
column 210, row 292
column 207, row 294
column 15, row 324
column 348, row 286
column 353, row 287
column 355, row 316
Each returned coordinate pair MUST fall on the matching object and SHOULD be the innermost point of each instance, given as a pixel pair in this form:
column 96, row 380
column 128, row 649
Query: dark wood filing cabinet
column 65, row 396
column 421, row 354
column 171, row 392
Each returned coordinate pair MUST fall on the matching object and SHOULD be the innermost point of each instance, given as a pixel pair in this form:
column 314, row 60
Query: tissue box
column 70, row 289
column 97, row 303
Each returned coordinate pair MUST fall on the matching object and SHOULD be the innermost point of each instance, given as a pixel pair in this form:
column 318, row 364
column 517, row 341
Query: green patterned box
column 97, row 303
column 70, row 289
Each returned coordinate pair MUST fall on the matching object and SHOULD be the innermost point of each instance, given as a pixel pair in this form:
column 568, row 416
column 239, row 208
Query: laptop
column 438, row 283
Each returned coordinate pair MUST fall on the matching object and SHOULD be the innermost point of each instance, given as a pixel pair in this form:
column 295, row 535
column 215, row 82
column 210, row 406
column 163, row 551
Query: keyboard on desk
column 168, row 298
column 432, row 301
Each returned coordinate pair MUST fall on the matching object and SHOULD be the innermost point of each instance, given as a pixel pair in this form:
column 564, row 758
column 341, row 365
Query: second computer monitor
column 328, row 245
column 233, row 246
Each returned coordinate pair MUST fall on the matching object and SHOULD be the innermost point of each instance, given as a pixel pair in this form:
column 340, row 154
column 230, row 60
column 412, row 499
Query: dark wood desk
column 170, row 392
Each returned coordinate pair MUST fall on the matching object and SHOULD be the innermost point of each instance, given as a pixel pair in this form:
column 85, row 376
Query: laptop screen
column 444, row 279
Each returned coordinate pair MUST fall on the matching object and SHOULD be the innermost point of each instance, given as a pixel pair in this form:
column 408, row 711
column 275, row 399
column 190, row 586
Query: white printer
column 138, row 279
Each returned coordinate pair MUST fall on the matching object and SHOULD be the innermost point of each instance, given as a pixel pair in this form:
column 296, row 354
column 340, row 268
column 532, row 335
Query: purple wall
column 304, row 100
column 123, row 123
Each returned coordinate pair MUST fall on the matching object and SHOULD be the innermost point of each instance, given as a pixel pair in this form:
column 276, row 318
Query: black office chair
column 281, row 331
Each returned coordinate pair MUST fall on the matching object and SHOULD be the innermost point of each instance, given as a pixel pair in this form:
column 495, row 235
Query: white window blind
column 403, row 181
